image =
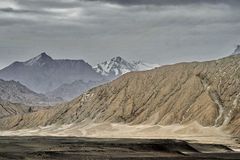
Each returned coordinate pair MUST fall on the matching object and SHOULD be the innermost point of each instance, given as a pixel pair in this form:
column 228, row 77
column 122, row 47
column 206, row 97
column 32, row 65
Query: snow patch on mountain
column 118, row 66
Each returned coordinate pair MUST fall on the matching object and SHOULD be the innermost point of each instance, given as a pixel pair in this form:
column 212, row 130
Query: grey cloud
column 38, row 4
column 11, row 10
column 160, row 31
column 169, row 2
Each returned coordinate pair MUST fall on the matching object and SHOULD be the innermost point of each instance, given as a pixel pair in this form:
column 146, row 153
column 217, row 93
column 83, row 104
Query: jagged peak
column 237, row 50
column 118, row 66
column 41, row 59
column 118, row 59
column 44, row 54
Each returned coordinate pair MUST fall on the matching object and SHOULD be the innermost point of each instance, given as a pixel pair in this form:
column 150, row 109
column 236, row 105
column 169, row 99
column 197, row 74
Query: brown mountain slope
column 206, row 92
column 9, row 109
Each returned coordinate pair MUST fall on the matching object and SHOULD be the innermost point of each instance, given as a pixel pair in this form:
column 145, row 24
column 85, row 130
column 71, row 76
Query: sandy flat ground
column 191, row 132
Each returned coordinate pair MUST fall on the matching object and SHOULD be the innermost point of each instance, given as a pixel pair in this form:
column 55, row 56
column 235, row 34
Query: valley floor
column 192, row 132
column 70, row 148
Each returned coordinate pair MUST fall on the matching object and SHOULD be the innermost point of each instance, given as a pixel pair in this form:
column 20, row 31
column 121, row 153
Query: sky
column 155, row 31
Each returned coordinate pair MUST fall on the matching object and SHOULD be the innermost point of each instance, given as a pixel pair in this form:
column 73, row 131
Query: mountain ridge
column 113, row 69
column 46, row 75
column 15, row 92
column 39, row 60
column 42, row 73
column 203, row 92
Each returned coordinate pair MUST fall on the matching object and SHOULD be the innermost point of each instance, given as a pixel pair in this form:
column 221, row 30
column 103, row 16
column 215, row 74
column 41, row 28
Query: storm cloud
column 156, row 31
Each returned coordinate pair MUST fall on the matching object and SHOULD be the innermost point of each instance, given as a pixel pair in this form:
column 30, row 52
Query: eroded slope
column 207, row 93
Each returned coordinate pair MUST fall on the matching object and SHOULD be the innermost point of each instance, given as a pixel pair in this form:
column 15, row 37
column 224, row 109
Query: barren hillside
column 204, row 92
column 8, row 109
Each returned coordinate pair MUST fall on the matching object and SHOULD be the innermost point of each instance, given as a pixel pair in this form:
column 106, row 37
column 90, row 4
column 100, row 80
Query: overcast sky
column 156, row 31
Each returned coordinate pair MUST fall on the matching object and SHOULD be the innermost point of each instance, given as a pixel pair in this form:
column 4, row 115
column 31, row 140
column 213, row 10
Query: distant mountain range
column 61, row 79
column 15, row 92
column 43, row 74
column 67, row 79
column 109, row 70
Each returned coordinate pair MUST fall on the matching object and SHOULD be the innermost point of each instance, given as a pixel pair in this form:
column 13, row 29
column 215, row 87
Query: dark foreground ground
column 62, row 148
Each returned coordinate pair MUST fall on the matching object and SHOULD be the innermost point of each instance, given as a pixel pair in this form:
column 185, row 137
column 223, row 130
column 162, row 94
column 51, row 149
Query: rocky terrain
column 206, row 93
column 15, row 92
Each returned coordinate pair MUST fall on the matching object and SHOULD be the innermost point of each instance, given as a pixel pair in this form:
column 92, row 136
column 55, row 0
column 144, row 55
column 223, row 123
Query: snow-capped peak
column 237, row 50
column 39, row 60
column 118, row 66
